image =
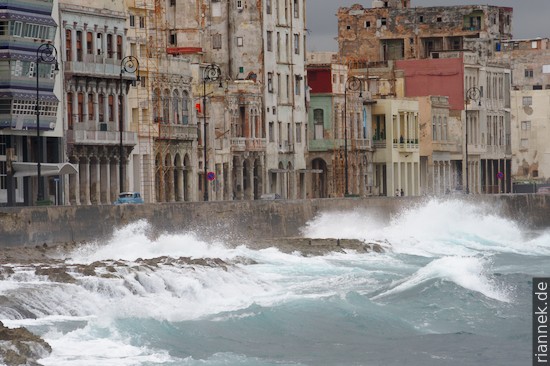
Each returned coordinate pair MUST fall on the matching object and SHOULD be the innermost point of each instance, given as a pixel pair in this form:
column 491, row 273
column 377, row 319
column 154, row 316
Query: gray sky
column 530, row 18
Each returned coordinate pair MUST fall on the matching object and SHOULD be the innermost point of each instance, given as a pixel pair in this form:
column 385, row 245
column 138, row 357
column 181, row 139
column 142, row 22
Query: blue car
column 129, row 198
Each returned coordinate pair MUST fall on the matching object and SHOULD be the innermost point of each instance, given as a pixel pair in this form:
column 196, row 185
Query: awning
column 30, row 169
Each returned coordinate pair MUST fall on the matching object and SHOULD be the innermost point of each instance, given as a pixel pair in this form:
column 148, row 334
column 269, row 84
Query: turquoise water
column 454, row 288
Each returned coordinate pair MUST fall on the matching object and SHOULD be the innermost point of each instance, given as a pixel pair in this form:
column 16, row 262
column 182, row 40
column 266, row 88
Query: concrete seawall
column 31, row 226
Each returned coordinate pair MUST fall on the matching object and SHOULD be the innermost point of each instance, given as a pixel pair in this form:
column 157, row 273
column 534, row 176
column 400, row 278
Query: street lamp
column 353, row 83
column 45, row 53
column 211, row 72
column 471, row 94
column 130, row 65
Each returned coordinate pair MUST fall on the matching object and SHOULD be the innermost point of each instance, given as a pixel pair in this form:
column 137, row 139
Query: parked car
column 543, row 190
column 129, row 198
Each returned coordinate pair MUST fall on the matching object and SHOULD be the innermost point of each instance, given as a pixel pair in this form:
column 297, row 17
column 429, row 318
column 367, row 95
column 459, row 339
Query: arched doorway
column 257, row 179
column 319, row 188
column 159, row 179
column 186, row 178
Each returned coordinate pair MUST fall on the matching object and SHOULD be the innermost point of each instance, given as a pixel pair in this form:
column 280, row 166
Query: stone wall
column 31, row 226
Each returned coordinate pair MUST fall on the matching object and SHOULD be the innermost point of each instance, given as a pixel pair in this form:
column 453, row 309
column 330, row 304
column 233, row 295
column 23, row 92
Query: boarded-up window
column 217, row 41
column 111, row 110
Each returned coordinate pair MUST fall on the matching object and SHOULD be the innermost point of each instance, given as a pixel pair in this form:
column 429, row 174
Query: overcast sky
column 530, row 20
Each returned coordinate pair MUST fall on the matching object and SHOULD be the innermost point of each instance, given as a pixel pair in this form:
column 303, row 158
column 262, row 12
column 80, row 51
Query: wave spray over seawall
column 452, row 288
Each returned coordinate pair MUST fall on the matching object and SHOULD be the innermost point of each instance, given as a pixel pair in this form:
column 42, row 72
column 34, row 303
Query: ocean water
column 453, row 288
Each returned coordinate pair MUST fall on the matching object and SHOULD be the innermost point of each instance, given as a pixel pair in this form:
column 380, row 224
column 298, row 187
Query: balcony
column 94, row 65
column 379, row 144
column 178, row 132
column 94, row 137
column 247, row 144
column 406, row 146
column 361, row 144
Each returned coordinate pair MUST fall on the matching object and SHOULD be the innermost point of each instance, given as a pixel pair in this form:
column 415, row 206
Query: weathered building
column 530, row 109
column 164, row 164
column 466, row 39
column 260, row 47
column 28, row 72
column 339, row 119
column 394, row 30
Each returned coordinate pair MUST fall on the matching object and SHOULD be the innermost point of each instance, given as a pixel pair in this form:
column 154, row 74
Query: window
column 367, row 24
column 271, row 132
column 239, row 41
column 119, row 47
column 434, row 128
column 525, row 125
column 111, row 108
column 217, row 41
column 524, row 144
column 528, row 73
column 142, row 22
column 297, row 44
column 318, row 122
column 268, row 6
column 298, row 84
column 16, row 28
column 68, row 45
column 172, row 2
column 132, row 20
column 527, row 101
column 383, row 21
column 296, row 9
column 270, row 82
column 439, row 19
column 173, row 38
column 421, row 19
column 240, row 4
column 269, row 41
column 91, row 112
column 298, row 132
column 89, row 45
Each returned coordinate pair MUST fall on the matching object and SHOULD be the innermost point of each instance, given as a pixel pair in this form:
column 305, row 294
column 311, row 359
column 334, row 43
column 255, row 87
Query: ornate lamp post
column 353, row 83
column 471, row 94
column 46, row 53
column 128, row 65
column 211, row 72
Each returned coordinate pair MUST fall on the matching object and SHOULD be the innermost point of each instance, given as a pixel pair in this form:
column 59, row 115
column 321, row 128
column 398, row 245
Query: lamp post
column 211, row 72
column 471, row 94
column 129, row 65
column 46, row 53
column 353, row 83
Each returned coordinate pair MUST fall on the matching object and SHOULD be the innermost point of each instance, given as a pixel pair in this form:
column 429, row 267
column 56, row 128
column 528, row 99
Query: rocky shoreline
column 21, row 347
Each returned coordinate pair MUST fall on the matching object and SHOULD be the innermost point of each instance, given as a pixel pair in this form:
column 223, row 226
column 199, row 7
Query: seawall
column 31, row 226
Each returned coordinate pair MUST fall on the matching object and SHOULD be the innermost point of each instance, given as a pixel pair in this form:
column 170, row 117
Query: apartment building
column 443, row 52
column 28, row 68
column 530, row 63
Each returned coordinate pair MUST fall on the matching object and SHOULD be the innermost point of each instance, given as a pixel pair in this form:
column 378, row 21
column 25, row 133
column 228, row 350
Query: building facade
column 29, row 78
column 530, row 63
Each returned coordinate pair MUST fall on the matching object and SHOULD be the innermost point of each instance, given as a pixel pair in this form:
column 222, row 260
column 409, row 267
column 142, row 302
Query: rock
column 20, row 347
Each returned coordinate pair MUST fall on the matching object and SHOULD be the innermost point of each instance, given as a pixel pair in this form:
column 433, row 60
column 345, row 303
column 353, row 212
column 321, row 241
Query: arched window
column 444, row 137
column 434, row 129
column 156, row 106
column 176, row 112
column 185, row 108
column 166, row 106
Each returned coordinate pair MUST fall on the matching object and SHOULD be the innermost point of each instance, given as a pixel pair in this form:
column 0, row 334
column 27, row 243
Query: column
column 240, row 181
column 74, row 188
column 95, row 183
column 84, row 171
column 114, row 179
column 179, row 183
column 105, row 181
column 73, row 44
